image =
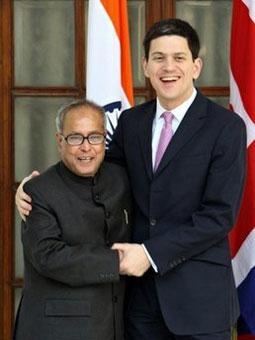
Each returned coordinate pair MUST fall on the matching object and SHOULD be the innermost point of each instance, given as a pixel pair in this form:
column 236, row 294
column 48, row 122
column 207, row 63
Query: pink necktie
column 165, row 137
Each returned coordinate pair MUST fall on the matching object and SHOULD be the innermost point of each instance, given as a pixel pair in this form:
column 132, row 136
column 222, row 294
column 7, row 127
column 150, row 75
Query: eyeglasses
column 78, row 139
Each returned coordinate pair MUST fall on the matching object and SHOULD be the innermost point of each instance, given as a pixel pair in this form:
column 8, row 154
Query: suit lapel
column 145, row 136
column 191, row 123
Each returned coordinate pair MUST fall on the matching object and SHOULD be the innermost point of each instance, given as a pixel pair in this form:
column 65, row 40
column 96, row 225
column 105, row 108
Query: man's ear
column 145, row 66
column 198, row 64
column 59, row 140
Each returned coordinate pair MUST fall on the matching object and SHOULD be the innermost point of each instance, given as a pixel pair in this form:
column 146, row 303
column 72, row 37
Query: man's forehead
column 76, row 115
column 169, row 40
column 174, row 45
column 175, row 53
column 83, row 112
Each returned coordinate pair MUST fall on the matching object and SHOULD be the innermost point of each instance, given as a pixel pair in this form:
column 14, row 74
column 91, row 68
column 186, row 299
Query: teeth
column 85, row 158
column 169, row 78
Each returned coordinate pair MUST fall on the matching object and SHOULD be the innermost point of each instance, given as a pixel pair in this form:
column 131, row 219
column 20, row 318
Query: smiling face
column 85, row 159
column 171, row 69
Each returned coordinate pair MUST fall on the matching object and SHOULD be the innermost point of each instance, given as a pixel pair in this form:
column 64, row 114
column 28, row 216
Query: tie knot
column 168, row 117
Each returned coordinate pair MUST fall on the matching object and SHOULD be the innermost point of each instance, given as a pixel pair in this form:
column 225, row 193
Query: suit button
column 115, row 298
column 97, row 197
column 153, row 222
column 107, row 214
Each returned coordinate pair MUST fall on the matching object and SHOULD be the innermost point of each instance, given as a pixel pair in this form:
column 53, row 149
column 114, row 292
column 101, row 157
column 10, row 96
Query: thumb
column 27, row 178
column 34, row 174
column 119, row 246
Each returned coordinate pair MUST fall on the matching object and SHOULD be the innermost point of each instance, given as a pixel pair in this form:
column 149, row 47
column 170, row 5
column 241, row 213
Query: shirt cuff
column 150, row 259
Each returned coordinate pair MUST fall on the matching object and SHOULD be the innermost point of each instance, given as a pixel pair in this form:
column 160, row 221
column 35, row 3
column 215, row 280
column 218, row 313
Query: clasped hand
column 23, row 201
column 132, row 258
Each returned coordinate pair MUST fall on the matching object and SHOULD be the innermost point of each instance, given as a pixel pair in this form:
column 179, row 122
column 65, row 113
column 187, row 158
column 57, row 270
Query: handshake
column 133, row 260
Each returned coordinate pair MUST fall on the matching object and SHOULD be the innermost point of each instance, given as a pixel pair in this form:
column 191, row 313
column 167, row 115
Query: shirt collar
column 180, row 111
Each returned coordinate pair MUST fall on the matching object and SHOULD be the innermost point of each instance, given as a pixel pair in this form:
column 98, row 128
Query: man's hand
column 23, row 201
column 133, row 260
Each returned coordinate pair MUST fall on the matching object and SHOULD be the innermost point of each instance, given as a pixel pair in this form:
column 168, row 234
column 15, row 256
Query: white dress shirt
column 158, row 122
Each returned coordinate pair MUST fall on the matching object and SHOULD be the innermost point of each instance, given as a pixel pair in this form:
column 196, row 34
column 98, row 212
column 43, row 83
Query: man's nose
column 169, row 63
column 85, row 145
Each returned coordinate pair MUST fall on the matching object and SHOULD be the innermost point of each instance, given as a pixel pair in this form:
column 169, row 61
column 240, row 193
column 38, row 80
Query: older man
column 81, row 205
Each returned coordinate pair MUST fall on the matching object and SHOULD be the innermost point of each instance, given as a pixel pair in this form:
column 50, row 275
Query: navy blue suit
column 184, row 211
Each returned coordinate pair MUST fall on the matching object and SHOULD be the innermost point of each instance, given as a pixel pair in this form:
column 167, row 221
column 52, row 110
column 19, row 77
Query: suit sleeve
column 210, row 223
column 52, row 257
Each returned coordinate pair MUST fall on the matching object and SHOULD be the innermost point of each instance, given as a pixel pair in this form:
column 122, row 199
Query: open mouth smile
column 85, row 159
column 169, row 79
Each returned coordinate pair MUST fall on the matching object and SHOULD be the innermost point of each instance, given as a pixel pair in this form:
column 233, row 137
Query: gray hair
column 62, row 112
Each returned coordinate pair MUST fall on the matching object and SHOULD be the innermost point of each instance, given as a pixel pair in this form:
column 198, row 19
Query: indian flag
column 109, row 76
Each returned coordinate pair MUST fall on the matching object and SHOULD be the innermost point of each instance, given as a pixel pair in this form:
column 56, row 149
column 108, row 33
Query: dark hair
column 172, row 27
column 62, row 112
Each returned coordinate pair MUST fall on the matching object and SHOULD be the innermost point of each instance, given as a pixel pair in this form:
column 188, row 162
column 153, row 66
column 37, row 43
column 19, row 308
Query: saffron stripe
column 117, row 11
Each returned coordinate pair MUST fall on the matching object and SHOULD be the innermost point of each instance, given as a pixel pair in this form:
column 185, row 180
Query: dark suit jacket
column 72, row 288
column 184, row 211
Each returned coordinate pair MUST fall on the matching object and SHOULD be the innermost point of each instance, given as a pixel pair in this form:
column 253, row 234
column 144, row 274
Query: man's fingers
column 23, row 217
column 27, row 178
column 24, row 209
column 21, row 195
column 25, row 206
column 121, row 255
column 22, row 198
column 23, row 201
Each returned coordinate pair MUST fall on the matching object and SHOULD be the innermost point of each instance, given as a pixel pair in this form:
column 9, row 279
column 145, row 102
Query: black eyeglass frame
column 84, row 138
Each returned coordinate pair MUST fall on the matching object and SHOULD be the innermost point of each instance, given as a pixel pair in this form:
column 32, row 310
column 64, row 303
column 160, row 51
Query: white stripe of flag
column 109, row 79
